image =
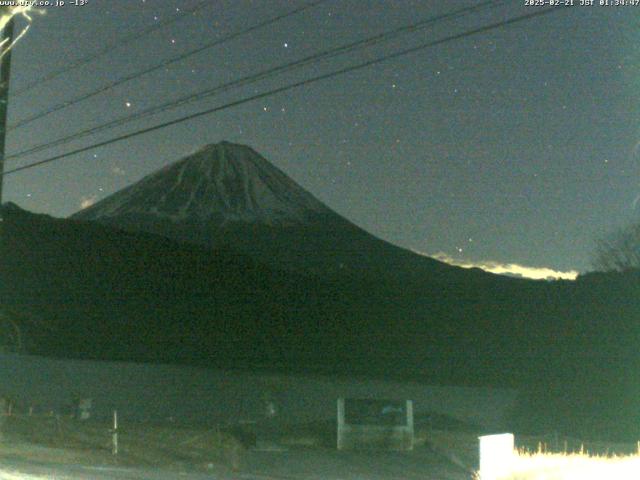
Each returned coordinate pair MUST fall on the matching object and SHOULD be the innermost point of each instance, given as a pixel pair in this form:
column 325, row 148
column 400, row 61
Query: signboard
column 375, row 424
column 375, row 412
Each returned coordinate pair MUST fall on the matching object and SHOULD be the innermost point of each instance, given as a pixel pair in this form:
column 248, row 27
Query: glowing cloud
column 86, row 202
column 535, row 273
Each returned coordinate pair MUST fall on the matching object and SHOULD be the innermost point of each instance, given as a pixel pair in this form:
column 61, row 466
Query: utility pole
column 6, row 36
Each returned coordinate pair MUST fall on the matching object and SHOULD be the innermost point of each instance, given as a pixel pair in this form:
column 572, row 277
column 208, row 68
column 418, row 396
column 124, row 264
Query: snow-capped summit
column 224, row 183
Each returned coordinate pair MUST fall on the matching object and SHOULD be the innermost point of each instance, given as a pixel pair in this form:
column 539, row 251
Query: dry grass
column 581, row 461
column 320, row 434
column 54, row 439
column 461, row 448
column 573, row 466
column 65, row 440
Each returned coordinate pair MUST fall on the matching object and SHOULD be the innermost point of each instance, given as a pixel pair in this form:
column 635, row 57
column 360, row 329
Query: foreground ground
column 297, row 463
column 53, row 447
column 50, row 446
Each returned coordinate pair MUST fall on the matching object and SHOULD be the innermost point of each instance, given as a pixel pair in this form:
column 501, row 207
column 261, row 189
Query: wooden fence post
column 114, row 437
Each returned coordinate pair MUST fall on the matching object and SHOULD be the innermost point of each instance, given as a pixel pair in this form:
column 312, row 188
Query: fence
column 369, row 423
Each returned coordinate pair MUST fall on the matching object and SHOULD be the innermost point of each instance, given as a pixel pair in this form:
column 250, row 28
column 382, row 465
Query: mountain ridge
column 225, row 182
column 91, row 291
column 227, row 194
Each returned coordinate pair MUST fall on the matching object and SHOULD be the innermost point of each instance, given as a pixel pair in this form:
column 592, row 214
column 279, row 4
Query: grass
column 571, row 459
column 63, row 440
column 573, row 466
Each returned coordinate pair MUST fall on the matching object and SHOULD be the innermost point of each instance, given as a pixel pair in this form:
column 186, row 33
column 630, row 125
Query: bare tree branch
column 620, row 252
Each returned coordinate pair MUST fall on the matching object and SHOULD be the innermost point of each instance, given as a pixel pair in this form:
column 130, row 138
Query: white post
column 115, row 433
column 496, row 456
column 341, row 422
column 409, row 410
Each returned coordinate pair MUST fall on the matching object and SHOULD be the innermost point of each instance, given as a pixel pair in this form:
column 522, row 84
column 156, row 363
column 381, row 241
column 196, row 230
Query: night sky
column 515, row 145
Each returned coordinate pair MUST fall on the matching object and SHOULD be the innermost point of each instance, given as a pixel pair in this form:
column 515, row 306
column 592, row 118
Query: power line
column 323, row 55
column 164, row 64
column 291, row 86
column 120, row 42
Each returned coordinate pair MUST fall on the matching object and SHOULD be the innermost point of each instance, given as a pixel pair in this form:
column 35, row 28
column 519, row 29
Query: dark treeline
column 82, row 290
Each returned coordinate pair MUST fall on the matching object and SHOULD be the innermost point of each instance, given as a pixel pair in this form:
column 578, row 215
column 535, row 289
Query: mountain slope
column 91, row 291
column 107, row 294
column 223, row 183
column 250, row 270
column 228, row 195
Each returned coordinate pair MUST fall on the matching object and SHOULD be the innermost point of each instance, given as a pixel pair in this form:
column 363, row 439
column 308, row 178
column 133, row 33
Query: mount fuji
column 227, row 195
column 222, row 183
column 220, row 260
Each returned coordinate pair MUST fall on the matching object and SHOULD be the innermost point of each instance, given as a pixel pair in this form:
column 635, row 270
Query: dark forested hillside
column 89, row 291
